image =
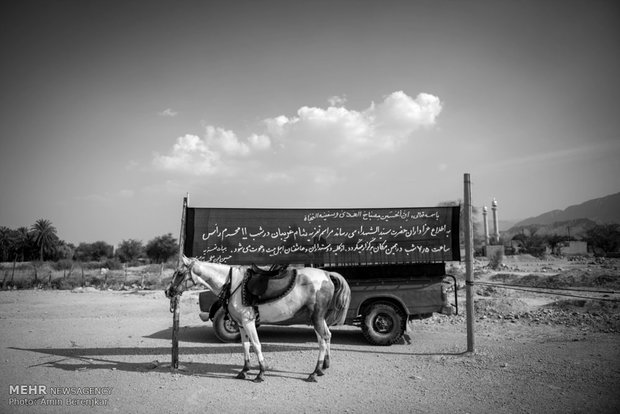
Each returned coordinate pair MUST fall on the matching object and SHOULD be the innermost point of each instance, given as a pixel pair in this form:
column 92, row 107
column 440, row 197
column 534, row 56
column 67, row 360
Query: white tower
column 495, row 222
column 486, row 225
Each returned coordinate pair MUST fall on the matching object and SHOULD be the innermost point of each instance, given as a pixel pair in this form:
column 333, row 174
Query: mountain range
column 574, row 221
column 599, row 210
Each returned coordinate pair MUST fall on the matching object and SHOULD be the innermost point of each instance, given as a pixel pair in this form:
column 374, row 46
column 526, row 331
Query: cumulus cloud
column 190, row 154
column 314, row 139
column 205, row 156
column 380, row 127
column 168, row 112
column 399, row 115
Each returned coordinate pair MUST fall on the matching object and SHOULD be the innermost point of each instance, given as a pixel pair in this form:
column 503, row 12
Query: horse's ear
column 186, row 260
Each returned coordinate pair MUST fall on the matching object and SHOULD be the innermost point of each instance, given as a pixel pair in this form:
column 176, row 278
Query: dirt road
column 106, row 352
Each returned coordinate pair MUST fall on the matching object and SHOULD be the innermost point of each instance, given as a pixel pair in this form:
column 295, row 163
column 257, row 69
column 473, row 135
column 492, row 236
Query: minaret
column 495, row 222
column 486, row 225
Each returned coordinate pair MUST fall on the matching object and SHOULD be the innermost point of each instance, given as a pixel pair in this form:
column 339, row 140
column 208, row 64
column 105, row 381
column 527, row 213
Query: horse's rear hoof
column 259, row 379
column 240, row 375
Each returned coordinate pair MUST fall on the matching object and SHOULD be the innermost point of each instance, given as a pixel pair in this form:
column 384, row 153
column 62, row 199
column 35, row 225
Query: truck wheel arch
column 391, row 300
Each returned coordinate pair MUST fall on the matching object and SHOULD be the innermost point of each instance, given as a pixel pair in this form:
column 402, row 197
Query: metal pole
column 469, row 265
column 176, row 308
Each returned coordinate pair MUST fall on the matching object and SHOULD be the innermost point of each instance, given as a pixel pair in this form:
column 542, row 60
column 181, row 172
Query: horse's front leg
column 250, row 329
column 245, row 341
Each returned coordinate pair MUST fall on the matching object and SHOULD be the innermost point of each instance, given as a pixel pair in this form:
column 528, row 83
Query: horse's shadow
column 78, row 359
column 267, row 334
column 273, row 339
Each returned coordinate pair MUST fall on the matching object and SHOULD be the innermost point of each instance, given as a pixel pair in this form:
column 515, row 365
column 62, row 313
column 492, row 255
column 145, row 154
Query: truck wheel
column 225, row 329
column 384, row 324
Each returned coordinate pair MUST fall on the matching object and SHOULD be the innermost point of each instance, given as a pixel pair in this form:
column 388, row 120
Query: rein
column 174, row 300
column 226, row 293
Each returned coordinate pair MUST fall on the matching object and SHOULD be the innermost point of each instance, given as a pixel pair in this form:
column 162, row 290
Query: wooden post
column 469, row 265
column 176, row 312
column 176, row 303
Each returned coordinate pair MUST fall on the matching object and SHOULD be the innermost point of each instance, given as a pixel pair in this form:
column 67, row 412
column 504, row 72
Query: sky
column 112, row 111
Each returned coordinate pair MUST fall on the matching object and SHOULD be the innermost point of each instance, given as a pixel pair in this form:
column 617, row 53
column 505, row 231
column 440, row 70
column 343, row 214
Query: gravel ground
column 112, row 349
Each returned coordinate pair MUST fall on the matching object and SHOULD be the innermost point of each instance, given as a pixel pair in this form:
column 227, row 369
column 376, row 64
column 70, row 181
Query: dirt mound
column 520, row 258
column 500, row 306
column 571, row 278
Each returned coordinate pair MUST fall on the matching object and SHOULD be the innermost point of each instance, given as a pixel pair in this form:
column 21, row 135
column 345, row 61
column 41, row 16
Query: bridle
column 177, row 281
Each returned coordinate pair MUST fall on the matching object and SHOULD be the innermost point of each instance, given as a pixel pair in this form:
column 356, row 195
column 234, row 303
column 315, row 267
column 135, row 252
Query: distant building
column 573, row 247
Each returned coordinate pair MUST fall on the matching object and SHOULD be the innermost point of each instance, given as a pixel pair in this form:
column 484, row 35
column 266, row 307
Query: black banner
column 323, row 236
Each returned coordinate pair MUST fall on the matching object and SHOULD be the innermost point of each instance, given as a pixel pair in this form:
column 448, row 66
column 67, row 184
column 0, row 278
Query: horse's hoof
column 311, row 378
column 240, row 375
column 259, row 379
column 320, row 373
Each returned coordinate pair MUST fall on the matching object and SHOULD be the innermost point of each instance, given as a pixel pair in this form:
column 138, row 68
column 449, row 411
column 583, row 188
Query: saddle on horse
column 262, row 286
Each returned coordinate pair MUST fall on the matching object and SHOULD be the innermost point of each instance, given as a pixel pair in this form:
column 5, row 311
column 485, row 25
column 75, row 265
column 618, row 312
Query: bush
column 63, row 264
column 112, row 264
column 496, row 260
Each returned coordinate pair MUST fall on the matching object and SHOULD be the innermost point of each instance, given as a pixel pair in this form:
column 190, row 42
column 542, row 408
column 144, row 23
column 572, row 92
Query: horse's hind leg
column 323, row 336
column 328, row 340
column 245, row 341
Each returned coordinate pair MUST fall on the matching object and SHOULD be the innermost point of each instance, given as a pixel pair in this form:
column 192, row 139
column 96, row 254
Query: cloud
column 380, row 127
column 191, row 155
column 217, row 152
column 106, row 197
column 169, row 112
column 337, row 100
column 399, row 115
column 315, row 140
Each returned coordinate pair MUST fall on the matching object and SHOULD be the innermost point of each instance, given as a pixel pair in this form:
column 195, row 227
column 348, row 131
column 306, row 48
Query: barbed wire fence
column 554, row 291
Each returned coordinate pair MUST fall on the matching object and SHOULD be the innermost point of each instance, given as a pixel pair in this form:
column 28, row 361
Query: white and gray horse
column 318, row 297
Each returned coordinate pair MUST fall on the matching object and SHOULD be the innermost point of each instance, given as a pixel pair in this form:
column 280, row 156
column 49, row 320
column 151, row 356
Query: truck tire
column 225, row 329
column 384, row 324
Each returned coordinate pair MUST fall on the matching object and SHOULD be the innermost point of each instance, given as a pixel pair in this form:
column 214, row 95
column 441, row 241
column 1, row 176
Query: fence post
column 176, row 303
column 469, row 264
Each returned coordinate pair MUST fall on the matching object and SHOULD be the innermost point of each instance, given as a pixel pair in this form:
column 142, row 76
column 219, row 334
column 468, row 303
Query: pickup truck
column 383, row 299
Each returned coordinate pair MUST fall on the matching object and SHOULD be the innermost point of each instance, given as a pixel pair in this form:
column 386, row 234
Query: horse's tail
column 339, row 305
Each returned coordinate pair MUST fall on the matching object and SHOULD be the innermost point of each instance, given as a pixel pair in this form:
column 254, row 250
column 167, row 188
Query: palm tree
column 45, row 235
column 20, row 242
column 5, row 243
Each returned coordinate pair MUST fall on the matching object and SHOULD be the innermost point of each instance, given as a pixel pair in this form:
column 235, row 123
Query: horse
column 318, row 297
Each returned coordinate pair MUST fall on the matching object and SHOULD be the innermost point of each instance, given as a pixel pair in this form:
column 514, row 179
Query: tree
column 45, row 236
column 94, row 251
column 5, row 243
column 162, row 248
column 130, row 250
column 605, row 237
column 21, row 240
column 554, row 241
column 534, row 245
column 64, row 250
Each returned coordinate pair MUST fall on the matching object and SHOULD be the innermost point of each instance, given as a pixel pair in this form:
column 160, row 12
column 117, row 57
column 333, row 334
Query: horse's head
column 180, row 275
